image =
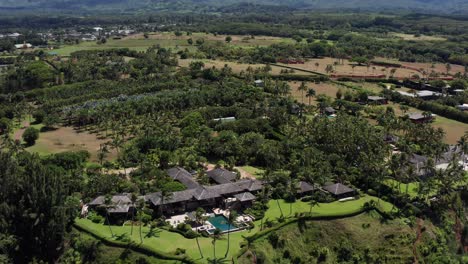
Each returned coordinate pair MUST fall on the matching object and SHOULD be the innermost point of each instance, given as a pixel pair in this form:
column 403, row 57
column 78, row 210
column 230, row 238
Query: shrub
column 95, row 218
column 30, row 136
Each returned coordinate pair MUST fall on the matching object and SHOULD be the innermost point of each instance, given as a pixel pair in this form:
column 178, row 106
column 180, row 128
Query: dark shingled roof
column 221, row 175
column 244, row 197
column 338, row 189
column 250, row 185
column 120, row 203
column 303, row 187
column 181, row 175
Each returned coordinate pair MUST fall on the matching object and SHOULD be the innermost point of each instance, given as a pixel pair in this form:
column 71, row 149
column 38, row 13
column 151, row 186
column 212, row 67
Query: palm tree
column 134, row 198
column 302, row 88
column 463, row 144
column 108, row 205
column 216, row 236
column 310, row 93
column 141, row 207
column 199, row 219
column 313, row 202
column 292, row 191
column 232, row 217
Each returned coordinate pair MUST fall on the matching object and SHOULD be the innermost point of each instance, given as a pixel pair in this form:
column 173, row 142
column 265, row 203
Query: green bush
column 95, row 218
column 30, row 136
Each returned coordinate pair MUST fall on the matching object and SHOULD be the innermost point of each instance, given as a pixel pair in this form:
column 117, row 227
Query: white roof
column 22, row 46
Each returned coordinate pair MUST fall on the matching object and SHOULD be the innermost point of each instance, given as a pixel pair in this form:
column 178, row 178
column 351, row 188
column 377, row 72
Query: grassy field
column 237, row 67
column 169, row 241
column 256, row 172
column 68, row 139
column 346, row 68
column 108, row 254
column 454, row 130
column 325, row 88
column 412, row 187
column 412, row 37
column 438, row 67
column 167, row 40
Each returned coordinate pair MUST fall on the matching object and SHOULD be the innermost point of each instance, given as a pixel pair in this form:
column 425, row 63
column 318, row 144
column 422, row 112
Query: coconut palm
column 200, row 218
column 134, row 199
column 216, row 236
column 302, row 88
column 232, row 217
column 310, row 93
column 108, row 205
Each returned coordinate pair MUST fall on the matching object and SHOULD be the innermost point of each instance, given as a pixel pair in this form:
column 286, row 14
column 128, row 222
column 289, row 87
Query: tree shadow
column 48, row 129
column 153, row 232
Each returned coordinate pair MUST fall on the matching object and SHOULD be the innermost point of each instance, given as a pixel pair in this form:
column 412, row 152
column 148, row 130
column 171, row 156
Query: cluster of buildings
column 226, row 191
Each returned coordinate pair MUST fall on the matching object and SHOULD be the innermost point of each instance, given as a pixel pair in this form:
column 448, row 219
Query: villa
column 339, row 191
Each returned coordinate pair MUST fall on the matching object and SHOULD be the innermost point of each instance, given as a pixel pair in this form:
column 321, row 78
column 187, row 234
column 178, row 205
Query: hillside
column 449, row 6
column 360, row 239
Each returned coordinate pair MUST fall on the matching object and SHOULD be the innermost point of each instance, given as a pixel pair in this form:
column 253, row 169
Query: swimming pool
column 222, row 223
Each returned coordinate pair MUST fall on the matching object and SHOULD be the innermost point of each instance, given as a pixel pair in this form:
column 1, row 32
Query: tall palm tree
column 292, row 191
column 141, row 207
column 216, row 236
column 232, row 217
column 302, row 88
column 463, row 144
column 310, row 93
column 134, row 199
column 199, row 219
column 108, row 205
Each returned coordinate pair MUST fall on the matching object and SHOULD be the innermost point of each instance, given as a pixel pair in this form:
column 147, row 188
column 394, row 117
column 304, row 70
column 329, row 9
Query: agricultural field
column 439, row 68
column 238, row 67
column 346, row 68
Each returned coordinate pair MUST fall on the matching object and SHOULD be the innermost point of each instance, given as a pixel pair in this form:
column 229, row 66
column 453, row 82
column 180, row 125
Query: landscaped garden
column 169, row 242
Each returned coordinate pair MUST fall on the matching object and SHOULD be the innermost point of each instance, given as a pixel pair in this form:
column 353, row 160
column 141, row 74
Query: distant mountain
column 446, row 6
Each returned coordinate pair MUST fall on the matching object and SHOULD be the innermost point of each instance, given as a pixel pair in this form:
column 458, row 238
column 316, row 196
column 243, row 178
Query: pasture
column 69, row 139
column 346, row 67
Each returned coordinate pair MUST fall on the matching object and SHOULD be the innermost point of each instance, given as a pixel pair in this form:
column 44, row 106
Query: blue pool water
column 221, row 222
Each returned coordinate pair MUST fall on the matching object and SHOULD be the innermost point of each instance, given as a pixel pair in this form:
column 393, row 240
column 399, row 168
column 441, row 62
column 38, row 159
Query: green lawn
column 256, row 172
column 169, row 242
column 413, row 187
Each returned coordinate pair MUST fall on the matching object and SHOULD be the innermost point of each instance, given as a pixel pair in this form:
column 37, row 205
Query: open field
column 438, row 67
column 237, row 67
column 168, row 241
column 454, row 130
column 168, row 40
column 68, row 139
column 237, row 40
column 346, row 68
column 325, row 88
column 412, row 37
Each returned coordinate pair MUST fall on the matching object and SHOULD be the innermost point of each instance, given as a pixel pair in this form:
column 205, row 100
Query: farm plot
column 348, row 68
